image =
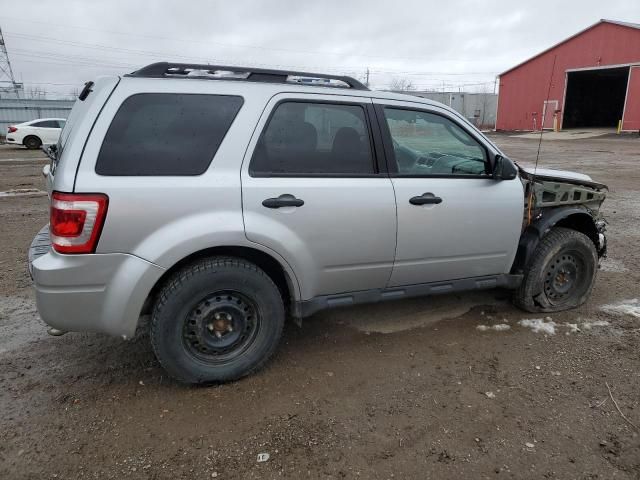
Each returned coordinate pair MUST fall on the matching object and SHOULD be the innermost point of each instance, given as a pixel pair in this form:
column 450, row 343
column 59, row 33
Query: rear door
column 313, row 192
column 454, row 220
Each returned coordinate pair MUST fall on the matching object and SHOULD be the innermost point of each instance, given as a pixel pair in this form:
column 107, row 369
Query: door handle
column 425, row 199
column 285, row 200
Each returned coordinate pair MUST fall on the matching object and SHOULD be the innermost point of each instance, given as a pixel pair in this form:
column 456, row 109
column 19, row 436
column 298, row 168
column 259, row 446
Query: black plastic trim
column 309, row 307
column 532, row 235
column 162, row 70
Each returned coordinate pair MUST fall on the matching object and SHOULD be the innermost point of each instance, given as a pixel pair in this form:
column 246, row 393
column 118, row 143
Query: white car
column 35, row 133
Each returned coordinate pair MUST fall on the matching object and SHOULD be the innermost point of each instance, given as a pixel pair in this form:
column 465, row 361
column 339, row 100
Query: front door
column 454, row 220
column 313, row 192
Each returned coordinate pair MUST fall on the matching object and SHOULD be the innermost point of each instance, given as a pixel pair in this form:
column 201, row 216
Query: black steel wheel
column 216, row 320
column 561, row 274
column 221, row 327
column 32, row 142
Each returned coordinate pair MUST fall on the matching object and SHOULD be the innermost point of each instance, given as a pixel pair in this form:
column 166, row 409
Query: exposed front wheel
column 32, row 142
column 561, row 274
column 216, row 320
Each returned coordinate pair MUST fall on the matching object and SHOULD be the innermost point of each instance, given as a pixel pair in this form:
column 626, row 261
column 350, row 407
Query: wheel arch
column 281, row 275
column 576, row 218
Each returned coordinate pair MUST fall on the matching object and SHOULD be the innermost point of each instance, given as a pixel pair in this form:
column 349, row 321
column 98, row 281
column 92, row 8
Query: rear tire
column 216, row 320
column 32, row 142
column 562, row 273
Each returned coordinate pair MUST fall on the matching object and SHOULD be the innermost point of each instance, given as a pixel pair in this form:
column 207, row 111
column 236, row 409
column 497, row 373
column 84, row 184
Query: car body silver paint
column 341, row 239
column 473, row 232
column 96, row 293
column 75, row 133
column 154, row 222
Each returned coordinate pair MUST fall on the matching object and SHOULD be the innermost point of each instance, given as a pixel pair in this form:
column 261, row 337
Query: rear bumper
column 93, row 293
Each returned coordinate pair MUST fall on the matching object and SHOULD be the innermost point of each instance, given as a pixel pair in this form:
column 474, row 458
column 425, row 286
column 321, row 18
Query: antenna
column 6, row 72
column 535, row 169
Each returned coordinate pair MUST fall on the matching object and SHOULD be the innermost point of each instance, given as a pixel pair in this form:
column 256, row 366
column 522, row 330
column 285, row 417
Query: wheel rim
column 32, row 143
column 221, row 327
column 564, row 277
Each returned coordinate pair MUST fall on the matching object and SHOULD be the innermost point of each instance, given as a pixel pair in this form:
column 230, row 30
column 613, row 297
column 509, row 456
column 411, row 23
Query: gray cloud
column 458, row 44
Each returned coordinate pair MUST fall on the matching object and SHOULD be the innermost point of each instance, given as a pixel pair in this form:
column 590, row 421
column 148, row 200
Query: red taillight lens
column 76, row 220
column 12, row 129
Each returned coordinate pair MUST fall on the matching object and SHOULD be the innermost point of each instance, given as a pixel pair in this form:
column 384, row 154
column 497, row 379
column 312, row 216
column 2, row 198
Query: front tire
column 562, row 273
column 216, row 320
column 32, row 142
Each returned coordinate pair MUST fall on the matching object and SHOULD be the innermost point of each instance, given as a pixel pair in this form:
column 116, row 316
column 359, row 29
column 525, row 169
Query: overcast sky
column 58, row 44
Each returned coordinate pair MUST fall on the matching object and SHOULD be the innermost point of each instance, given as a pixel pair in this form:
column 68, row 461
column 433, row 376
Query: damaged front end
column 562, row 199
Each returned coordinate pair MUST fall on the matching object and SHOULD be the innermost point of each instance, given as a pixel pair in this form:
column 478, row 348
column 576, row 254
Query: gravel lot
column 410, row 389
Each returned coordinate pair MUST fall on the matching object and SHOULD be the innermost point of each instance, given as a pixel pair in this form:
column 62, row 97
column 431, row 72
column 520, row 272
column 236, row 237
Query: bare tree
column 401, row 84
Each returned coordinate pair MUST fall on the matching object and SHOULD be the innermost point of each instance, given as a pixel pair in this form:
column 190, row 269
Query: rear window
column 166, row 134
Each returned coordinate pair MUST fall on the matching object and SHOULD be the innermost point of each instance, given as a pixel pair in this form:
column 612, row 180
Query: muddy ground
column 410, row 389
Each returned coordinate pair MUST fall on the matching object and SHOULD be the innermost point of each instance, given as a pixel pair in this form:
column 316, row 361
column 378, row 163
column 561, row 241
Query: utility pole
column 6, row 72
column 367, row 80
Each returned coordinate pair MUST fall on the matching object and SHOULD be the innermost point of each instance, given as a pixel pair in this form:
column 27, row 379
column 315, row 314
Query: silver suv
column 221, row 200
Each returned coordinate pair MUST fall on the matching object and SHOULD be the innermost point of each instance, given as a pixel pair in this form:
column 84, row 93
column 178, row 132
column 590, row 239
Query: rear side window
column 166, row 134
column 46, row 124
column 314, row 139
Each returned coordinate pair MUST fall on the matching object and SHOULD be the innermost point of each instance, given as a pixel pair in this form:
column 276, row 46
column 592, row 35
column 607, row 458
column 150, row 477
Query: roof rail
column 222, row 72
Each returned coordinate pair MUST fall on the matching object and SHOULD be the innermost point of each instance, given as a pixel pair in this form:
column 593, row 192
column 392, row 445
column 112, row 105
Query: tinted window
column 166, row 134
column 61, row 123
column 427, row 144
column 46, row 124
column 314, row 138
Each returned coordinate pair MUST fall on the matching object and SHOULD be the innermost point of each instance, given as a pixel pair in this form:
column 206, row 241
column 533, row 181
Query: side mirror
column 503, row 168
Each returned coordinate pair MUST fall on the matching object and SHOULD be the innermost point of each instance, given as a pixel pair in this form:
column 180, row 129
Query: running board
column 309, row 307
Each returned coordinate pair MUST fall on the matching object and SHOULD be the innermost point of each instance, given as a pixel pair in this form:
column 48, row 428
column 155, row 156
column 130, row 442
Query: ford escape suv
column 220, row 200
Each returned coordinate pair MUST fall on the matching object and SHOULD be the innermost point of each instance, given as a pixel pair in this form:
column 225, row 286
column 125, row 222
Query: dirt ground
column 409, row 389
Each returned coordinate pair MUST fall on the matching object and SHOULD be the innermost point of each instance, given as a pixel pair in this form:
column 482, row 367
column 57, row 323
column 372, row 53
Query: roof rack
column 222, row 72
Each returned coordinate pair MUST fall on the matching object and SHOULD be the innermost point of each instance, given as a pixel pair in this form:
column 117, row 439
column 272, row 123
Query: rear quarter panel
column 163, row 219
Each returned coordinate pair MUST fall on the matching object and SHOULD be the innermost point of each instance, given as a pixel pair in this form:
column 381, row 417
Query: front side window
column 314, row 139
column 426, row 144
column 166, row 134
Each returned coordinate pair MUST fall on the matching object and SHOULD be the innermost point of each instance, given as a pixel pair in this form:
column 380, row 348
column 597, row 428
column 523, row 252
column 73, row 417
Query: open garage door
column 595, row 98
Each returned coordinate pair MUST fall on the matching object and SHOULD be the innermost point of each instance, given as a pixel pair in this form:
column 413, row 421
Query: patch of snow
column 573, row 327
column 538, row 325
column 595, row 323
column 490, row 394
column 612, row 265
column 501, row 327
column 624, row 307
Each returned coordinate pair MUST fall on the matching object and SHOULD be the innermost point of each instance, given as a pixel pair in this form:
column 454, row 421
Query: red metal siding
column 631, row 120
column 524, row 89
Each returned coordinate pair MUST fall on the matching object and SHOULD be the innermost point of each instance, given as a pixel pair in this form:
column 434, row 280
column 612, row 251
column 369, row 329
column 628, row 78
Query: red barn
column 594, row 77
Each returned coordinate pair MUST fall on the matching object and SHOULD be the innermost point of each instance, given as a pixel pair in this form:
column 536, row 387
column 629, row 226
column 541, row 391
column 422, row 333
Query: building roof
column 603, row 20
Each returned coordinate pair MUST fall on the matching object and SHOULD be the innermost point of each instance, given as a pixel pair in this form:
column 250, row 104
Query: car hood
column 557, row 174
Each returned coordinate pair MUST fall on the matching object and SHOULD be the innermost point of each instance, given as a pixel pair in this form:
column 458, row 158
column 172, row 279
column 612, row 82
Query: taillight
column 12, row 129
column 76, row 220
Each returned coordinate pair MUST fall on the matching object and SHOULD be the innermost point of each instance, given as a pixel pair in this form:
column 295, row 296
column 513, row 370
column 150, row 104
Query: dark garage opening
column 595, row 98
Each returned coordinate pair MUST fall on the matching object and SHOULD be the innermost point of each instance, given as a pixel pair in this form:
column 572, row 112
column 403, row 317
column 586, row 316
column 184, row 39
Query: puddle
column 20, row 323
column 401, row 315
column 23, row 192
